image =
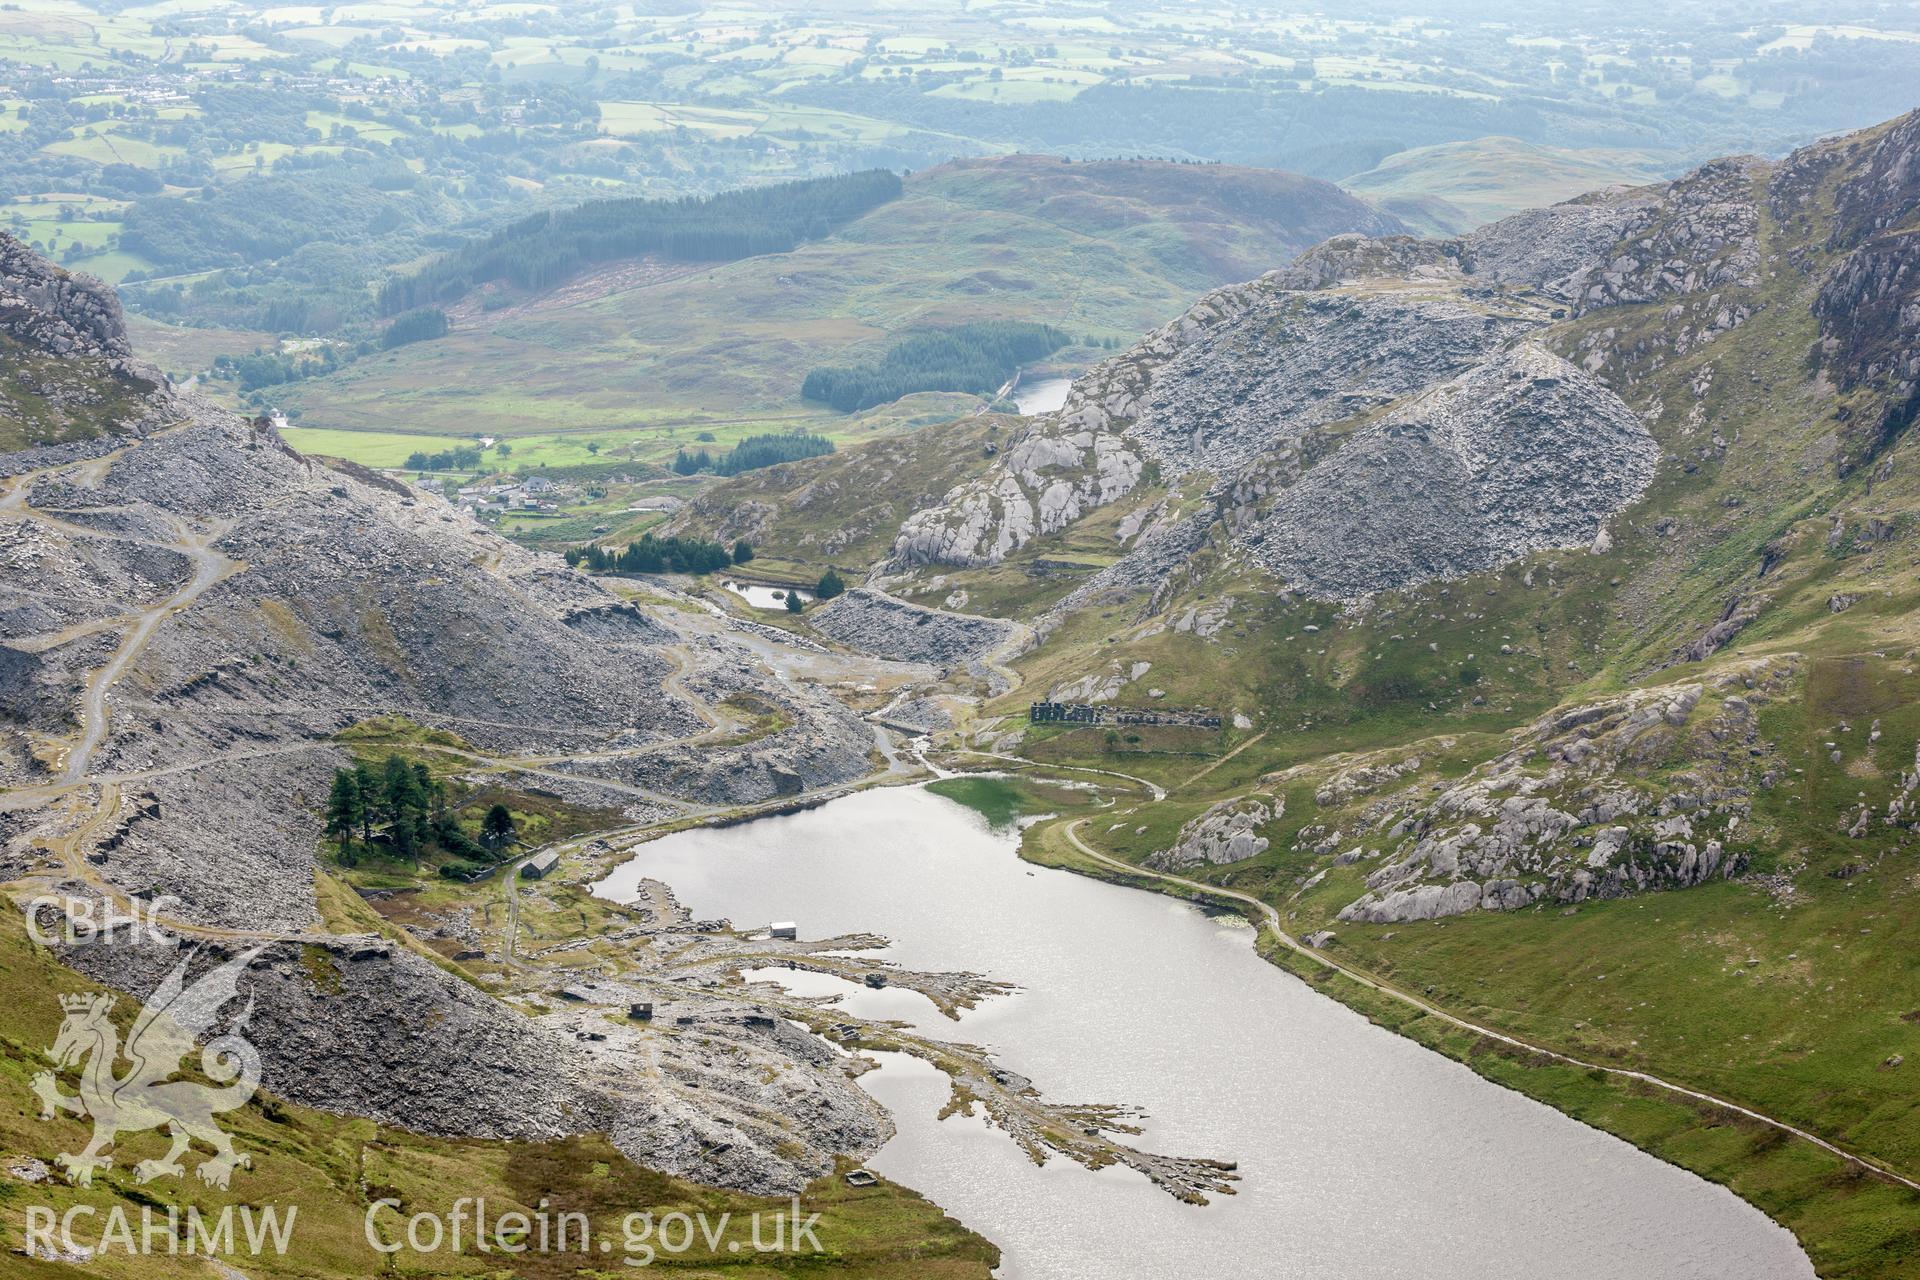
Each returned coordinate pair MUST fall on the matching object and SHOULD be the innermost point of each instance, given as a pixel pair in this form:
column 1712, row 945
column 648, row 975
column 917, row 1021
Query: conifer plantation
column 547, row 247
column 976, row 358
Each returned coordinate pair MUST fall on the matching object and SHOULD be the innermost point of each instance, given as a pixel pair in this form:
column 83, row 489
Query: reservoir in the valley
column 1042, row 395
column 1362, row 1155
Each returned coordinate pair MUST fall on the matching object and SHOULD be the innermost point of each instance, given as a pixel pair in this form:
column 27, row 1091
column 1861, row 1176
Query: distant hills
column 1453, row 187
column 670, row 350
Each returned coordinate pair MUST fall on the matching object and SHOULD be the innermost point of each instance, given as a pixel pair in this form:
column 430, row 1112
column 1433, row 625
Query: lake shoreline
column 1035, row 852
column 1601, row 1105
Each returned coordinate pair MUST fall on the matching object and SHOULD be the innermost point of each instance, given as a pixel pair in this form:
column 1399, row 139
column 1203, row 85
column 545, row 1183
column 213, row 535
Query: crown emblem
column 145, row 1096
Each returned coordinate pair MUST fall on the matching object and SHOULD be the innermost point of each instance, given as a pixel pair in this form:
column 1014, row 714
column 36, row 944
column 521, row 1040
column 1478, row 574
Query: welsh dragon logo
column 143, row 1098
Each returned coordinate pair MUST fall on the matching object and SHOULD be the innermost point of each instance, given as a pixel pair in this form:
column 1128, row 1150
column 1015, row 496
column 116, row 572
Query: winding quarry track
column 209, row 567
column 94, row 797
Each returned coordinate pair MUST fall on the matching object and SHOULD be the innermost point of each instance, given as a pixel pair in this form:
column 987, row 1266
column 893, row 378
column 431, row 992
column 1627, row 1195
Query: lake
column 1043, row 395
column 765, row 597
column 1361, row 1154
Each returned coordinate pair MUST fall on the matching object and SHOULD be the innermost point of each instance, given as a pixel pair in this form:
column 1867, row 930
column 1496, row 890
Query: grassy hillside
column 1454, row 187
column 650, row 355
column 1767, row 572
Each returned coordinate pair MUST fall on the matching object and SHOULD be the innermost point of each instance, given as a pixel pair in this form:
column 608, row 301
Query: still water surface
column 1043, row 395
column 765, row 597
column 1361, row 1155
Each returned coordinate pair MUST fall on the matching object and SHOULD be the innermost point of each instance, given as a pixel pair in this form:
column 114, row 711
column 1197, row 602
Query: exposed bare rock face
column 1047, row 481
column 1246, row 373
column 1384, row 411
column 1228, row 832
column 1700, row 237
column 1380, row 403
column 1522, row 453
column 1869, row 303
column 56, row 310
column 1883, row 191
column 67, row 373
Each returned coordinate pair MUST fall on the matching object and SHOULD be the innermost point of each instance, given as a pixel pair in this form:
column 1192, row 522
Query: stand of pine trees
column 419, row 325
column 544, row 249
column 755, row 452
column 752, row 453
column 975, row 358
column 653, row 555
column 398, row 806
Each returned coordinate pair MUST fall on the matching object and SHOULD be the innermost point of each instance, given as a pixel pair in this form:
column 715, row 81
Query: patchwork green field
column 500, row 111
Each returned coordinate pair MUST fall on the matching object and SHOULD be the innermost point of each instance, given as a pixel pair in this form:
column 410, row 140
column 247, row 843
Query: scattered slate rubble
column 873, row 622
column 250, row 604
column 1379, row 414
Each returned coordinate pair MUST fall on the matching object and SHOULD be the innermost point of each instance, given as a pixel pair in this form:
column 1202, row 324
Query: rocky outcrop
column 1552, row 249
column 56, row 311
column 1702, row 236
column 1048, row 479
column 1384, row 412
column 1099, row 686
column 1572, row 811
column 1882, row 189
column 1228, row 832
column 1869, row 304
column 1869, row 313
column 1242, row 377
